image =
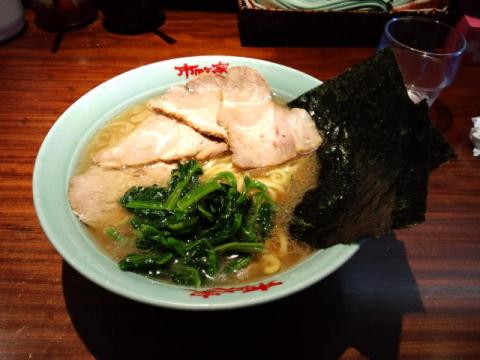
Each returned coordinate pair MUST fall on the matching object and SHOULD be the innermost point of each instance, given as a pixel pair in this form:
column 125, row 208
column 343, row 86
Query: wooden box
column 278, row 27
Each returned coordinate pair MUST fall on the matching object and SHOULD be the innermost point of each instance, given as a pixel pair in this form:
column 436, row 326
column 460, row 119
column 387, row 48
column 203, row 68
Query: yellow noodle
column 282, row 241
column 270, row 264
column 278, row 179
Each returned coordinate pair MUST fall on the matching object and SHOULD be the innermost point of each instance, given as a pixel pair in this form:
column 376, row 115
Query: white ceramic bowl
column 65, row 142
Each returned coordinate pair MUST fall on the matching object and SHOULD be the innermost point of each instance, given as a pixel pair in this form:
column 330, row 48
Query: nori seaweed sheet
column 378, row 151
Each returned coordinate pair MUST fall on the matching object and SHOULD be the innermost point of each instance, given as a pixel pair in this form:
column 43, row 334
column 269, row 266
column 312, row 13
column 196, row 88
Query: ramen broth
column 296, row 177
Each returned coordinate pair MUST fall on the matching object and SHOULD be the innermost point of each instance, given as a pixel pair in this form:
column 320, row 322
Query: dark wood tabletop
column 412, row 294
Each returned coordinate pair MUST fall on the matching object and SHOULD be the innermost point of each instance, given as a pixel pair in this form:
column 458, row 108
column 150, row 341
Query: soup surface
column 200, row 228
column 287, row 183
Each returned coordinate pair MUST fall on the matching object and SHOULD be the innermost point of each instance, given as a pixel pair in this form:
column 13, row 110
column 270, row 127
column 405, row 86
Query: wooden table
column 415, row 294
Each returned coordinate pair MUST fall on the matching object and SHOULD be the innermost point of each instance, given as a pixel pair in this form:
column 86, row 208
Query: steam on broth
column 287, row 184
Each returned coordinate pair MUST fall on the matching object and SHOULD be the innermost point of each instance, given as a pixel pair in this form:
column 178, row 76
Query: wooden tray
column 278, row 27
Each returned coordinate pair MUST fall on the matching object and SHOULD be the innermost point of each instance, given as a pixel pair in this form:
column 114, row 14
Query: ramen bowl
column 62, row 148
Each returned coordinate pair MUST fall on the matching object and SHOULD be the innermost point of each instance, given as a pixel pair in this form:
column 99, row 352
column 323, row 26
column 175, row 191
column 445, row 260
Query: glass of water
column 428, row 54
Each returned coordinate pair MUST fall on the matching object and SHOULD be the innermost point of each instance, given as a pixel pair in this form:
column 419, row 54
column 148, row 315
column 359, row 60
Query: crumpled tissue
column 475, row 136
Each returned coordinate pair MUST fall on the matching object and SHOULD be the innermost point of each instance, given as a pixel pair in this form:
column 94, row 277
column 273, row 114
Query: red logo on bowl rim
column 193, row 70
column 241, row 289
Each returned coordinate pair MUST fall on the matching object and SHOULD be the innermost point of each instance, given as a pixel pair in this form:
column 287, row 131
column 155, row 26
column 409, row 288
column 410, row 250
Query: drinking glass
column 428, row 54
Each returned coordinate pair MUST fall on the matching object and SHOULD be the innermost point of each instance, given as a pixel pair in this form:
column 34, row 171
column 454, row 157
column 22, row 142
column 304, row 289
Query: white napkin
column 475, row 136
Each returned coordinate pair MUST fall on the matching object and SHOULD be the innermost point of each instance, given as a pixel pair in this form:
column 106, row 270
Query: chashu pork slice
column 257, row 137
column 302, row 128
column 94, row 194
column 261, row 132
column 196, row 103
column 245, row 85
column 158, row 138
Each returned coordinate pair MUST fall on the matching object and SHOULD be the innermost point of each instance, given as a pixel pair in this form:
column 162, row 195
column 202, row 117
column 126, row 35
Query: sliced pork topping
column 245, row 85
column 261, row 132
column 94, row 194
column 302, row 127
column 196, row 103
column 263, row 142
column 158, row 138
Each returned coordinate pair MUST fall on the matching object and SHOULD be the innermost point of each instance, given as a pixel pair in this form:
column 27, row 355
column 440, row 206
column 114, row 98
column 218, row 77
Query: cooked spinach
column 145, row 262
column 115, row 235
column 189, row 230
column 237, row 264
column 378, row 151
